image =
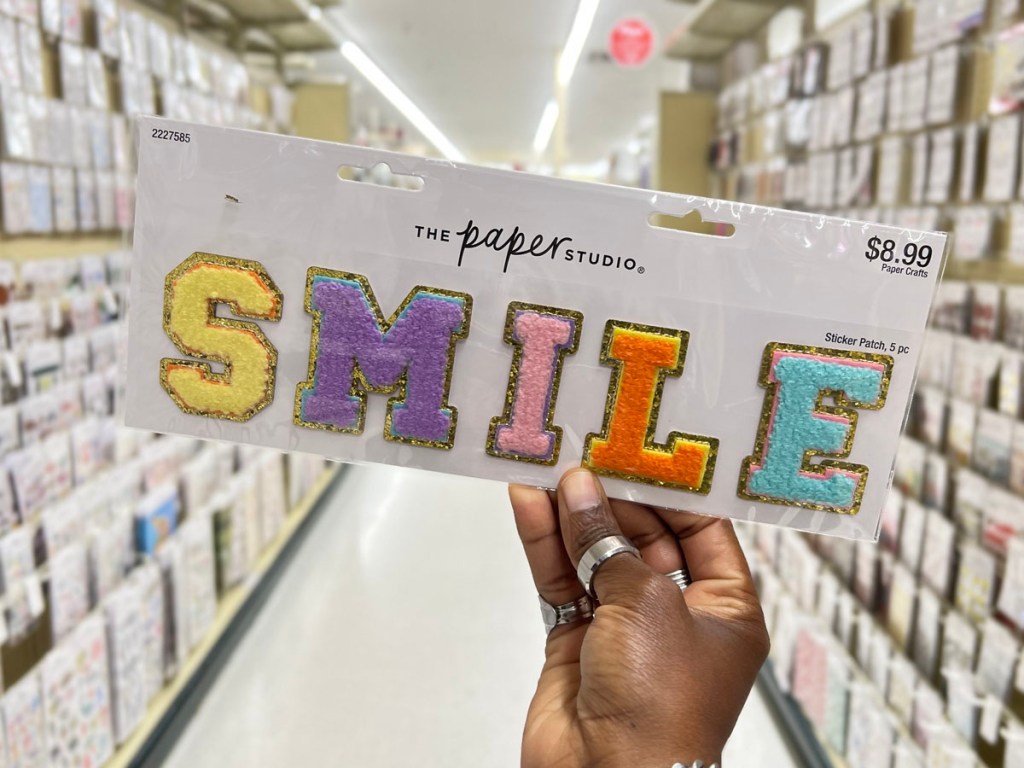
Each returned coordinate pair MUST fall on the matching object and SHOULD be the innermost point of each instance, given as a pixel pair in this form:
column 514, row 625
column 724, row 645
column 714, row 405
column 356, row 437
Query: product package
column 510, row 327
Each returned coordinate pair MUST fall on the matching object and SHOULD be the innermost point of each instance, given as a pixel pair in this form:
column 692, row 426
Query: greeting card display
column 506, row 326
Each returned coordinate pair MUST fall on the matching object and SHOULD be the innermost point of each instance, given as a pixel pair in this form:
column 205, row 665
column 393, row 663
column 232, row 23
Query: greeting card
column 229, row 532
column 20, row 582
column 71, row 20
column 17, row 138
column 870, row 736
column 150, row 587
column 959, row 643
column 17, row 207
column 176, row 631
column 1011, row 592
column 944, row 66
column 88, row 449
column 975, row 582
column 10, row 431
column 100, row 139
column 880, row 659
column 962, row 705
column 909, row 470
column 42, row 366
column 925, row 648
column 963, row 419
column 930, row 415
column 937, row 554
column 996, row 660
column 89, row 643
column 107, row 32
column 81, row 138
column 1002, row 158
column 60, row 703
column 1003, row 519
column 65, row 201
column 903, row 680
column 837, row 699
column 107, row 555
column 928, row 714
column 30, row 49
column 1009, row 394
column 273, row 506
column 64, row 524
column 69, row 589
column 22, row 708
column 40, row 196
column 10, row 62
column 157, row 518
column 915, row 517
column 935, row 493
column 968, row 163
column 810, row 675
column 902, row 598
column 88, row 217
column 970, row 502
column 127, row 649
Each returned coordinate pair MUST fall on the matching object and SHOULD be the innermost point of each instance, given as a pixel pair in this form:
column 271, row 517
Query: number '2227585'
column 183, row 138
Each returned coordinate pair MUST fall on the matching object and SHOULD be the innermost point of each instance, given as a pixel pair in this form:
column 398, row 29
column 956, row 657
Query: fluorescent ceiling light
column 309, row 10
column 358, row 58
column 577, row 39
column 567, row 62
column 548, row 121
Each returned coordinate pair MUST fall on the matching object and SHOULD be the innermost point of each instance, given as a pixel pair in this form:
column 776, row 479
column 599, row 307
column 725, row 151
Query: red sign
column 631, row 43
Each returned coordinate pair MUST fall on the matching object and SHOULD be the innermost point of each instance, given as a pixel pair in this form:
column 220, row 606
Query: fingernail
column 581, row 492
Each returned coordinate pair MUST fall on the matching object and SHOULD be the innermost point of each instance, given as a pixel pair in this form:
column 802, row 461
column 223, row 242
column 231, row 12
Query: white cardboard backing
column 781, row 277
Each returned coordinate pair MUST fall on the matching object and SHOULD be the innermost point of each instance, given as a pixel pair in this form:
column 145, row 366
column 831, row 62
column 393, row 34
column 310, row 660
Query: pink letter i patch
column 542, row 337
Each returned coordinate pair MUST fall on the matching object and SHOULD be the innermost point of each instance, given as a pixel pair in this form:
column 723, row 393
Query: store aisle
column 404, row 633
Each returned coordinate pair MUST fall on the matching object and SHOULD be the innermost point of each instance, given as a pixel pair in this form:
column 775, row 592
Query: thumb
column 586, row 517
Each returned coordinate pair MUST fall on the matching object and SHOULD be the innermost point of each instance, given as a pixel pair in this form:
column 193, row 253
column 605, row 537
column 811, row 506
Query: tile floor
column 404, row 633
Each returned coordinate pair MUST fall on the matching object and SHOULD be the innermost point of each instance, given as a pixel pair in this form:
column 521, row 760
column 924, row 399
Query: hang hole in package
column 510, row 327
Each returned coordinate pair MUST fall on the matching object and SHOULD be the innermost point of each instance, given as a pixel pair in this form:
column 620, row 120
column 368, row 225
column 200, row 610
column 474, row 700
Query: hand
column 658, row 676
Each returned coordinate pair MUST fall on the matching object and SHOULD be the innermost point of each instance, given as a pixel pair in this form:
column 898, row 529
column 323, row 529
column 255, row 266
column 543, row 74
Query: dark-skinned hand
column 658, row 676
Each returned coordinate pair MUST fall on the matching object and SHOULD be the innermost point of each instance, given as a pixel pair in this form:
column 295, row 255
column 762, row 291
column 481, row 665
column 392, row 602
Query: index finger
column 537, row 523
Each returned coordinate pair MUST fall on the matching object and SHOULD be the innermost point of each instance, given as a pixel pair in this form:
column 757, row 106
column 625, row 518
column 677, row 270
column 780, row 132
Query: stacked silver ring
column 580, row 609
column 681, row 577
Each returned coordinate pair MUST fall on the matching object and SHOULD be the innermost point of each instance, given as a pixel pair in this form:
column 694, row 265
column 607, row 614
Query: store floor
column 405, row 632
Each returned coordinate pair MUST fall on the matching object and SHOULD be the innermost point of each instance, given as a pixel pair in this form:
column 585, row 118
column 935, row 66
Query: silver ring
column 580, row 609
column 681, row 578
column 598, row 554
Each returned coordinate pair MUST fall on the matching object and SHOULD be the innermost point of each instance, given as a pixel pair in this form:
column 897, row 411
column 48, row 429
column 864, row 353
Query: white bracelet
column 696, row 764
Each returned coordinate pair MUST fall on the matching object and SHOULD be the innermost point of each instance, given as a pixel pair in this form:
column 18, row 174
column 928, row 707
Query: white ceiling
column 483, row 70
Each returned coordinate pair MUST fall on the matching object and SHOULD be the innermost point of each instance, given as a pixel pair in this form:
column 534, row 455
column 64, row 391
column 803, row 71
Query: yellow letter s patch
column 191, row 295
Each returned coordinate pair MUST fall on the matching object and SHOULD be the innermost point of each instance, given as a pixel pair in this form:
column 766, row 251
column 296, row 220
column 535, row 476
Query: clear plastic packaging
column 500, row 325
